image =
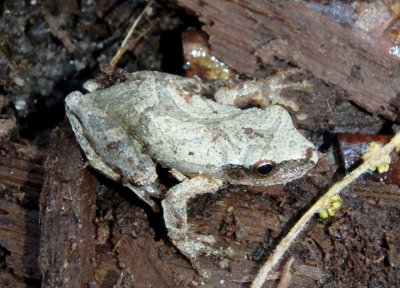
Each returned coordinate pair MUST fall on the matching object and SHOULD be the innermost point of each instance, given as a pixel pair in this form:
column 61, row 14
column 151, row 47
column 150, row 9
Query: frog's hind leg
column 146, row 193
column 143, row 194
column 175, row 217
column 111, row 150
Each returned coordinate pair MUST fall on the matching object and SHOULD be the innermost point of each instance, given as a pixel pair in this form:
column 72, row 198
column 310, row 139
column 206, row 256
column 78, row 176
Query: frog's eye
column 263, row 168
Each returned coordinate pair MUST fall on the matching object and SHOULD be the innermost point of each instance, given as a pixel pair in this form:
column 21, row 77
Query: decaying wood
column 146, row 262
column 21, row 176
column 21, row 168
column 245, row 34
column 9, row 280
column 125, row 250
column 67, row 202
column 20, row 234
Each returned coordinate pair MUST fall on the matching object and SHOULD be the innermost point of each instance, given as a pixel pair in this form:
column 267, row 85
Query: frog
column 156, row 118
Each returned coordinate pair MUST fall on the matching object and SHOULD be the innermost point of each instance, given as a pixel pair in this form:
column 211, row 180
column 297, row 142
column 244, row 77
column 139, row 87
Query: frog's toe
column 198, row 245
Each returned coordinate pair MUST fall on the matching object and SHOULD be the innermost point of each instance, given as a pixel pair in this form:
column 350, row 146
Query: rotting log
column 248, row 35
column 19, row 235
column 67, row 207
column 21, row 176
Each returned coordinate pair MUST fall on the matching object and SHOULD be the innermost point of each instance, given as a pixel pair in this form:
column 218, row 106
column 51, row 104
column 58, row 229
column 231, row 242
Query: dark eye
column 263, row 168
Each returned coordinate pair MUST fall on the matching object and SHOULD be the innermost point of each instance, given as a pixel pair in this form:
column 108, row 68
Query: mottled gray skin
column 125, row 130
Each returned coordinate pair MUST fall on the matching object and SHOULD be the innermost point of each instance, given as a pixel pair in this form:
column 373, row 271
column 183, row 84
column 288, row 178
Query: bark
column 67, row 205
column 21, row 176
column 250, row 35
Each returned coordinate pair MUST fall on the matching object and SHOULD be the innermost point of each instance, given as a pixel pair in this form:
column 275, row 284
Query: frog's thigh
column 98, row 163
column 112, row 151
column 95, row 160
column 143, row 194
column 175, row 203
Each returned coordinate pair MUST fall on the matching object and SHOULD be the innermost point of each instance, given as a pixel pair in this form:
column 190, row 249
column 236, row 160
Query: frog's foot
column 277, row 84
column 263, row 92
column 175, row 217
column 196, row 245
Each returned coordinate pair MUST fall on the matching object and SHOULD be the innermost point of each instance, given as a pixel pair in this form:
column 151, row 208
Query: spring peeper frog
column 157, row 118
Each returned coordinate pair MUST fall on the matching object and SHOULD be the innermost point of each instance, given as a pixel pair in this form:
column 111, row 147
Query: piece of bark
column 21, row 176
column 21, row 168
column 7, row 279
column 146, row 262
column 245, row 34
column 19, row 235
column 67, row 205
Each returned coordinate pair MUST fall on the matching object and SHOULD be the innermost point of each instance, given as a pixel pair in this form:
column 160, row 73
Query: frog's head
column 272, row 152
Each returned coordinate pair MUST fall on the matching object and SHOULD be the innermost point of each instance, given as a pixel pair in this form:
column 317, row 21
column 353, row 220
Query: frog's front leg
column 175, row 217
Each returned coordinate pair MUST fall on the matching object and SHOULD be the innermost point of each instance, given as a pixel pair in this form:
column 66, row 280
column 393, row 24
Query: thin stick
column 145, row 31
column 373, row 160
column 286, row 276
column 121, row 51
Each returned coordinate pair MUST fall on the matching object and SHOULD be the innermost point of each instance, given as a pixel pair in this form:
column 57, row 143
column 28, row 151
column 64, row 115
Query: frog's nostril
column 263, row 168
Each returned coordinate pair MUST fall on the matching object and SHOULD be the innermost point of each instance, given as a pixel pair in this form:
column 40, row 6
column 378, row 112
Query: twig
column 286, row 276
column 121, row 51
column 145, row 31
column 57, row 32
column 372, row 160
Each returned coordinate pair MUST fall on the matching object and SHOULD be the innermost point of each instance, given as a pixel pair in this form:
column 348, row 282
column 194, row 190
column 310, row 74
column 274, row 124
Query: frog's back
column 183, row 130
column 153, row 96
column 186, row 131
column 210, row 139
